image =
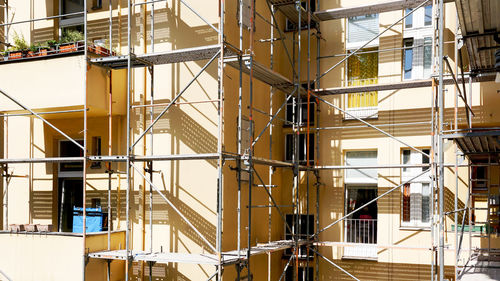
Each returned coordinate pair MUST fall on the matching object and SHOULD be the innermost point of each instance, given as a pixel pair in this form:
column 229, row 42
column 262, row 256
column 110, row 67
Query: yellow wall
column 192, row 129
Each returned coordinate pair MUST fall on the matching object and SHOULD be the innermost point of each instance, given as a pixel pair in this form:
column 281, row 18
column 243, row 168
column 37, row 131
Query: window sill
column 415, row 228
column 362, row 113
column 360, row 258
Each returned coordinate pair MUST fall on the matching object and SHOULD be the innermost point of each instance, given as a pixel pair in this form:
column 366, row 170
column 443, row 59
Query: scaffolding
column 307, row 23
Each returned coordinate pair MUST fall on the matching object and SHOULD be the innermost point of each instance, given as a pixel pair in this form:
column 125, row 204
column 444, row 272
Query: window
column 409, row 19
column 362, row 69
column 428, row 15
column 302, row 273
column 303, row 119
column 361, row 176
column 360, row 188
column 416, row 202
column 417, row 58
column 421, row 18
column 70, row 7
column 361, row 29
column 302, row 231
column 289, row 148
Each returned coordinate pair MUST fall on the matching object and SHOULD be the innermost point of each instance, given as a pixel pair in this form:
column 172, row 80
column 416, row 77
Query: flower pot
column 31, row 54
column 15, row 55
column 16, row 227
column 44, row 227
column 42, row 52
column 30, row 228
column 68, row 48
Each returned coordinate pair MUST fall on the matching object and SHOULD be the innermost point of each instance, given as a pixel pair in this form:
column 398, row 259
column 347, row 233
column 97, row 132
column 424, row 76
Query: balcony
column 49, row 79
column 61, row 252
column 359, row 232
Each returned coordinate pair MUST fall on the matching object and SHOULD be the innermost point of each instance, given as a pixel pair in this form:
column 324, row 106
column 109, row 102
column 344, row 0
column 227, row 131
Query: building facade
column 209, row 140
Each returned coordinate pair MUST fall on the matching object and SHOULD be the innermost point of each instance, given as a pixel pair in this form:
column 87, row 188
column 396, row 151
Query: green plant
column 20, row 43
column 35, row 47
column 71, row 36
column 52, row 43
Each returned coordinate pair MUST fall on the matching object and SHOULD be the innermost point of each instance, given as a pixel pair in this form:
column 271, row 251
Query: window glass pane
column 362, row 69
column 406, row 202
column 409, row 19
column 406, row 158
column 426, row 202
column 428, row 15
column 427, row 55
column 425, row 159
column 408, row 58
column 415, row 203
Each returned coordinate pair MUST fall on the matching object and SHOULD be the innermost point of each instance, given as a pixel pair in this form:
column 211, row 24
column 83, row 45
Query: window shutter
column 362, row 28
column 361, row 158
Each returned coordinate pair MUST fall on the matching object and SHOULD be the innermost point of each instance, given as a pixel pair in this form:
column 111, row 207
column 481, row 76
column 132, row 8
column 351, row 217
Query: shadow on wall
column 161, row 272
column 43, row 206
column 366, row 270
column 183, row 128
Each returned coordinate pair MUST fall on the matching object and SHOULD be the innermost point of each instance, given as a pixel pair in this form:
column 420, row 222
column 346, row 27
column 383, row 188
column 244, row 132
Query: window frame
column 416, row 184
column 312, row 148
column 303, row 103
column 367, row 112
column 70, row 21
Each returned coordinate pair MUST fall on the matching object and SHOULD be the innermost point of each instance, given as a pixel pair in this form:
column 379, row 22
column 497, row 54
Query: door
column 70, row 196
column 361, row 227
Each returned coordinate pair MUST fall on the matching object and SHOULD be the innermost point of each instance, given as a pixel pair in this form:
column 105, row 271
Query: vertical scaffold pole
column 85, row 142
column 250, row 153
column 240, row 152
column 129, row 148
column 220, row 184
column 441, row 141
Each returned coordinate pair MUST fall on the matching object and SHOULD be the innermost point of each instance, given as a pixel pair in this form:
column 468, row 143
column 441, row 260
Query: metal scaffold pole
column 220, row 141
column 251, row 138
column 129, row 147
column 85, row 141
column 441, row 141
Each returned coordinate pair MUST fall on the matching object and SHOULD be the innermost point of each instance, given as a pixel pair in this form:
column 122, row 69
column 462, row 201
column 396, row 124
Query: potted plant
column 34, row 50
column 52, row 46
column 70, row 40
column 20, row 47
column 5, row 54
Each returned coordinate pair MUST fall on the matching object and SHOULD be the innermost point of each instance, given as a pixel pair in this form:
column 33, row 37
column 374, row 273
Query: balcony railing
column 361, row 231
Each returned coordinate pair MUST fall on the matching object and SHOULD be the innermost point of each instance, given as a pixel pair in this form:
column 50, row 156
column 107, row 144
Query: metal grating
column 264, row 74
column 479, row 23
column 372, row 8
column 289, row 9
column 210, row 259
column 478, row 145
column 175, row 56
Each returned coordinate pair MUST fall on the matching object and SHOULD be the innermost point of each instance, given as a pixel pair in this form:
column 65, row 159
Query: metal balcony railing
column 361, row 231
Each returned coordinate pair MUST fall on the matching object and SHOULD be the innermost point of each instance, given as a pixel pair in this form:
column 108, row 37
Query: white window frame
column 418, row 32
column 370, row 112
column 416, row 186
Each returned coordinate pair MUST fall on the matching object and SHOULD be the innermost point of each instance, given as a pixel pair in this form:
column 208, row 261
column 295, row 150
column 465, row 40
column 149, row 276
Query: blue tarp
column 93, row 223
